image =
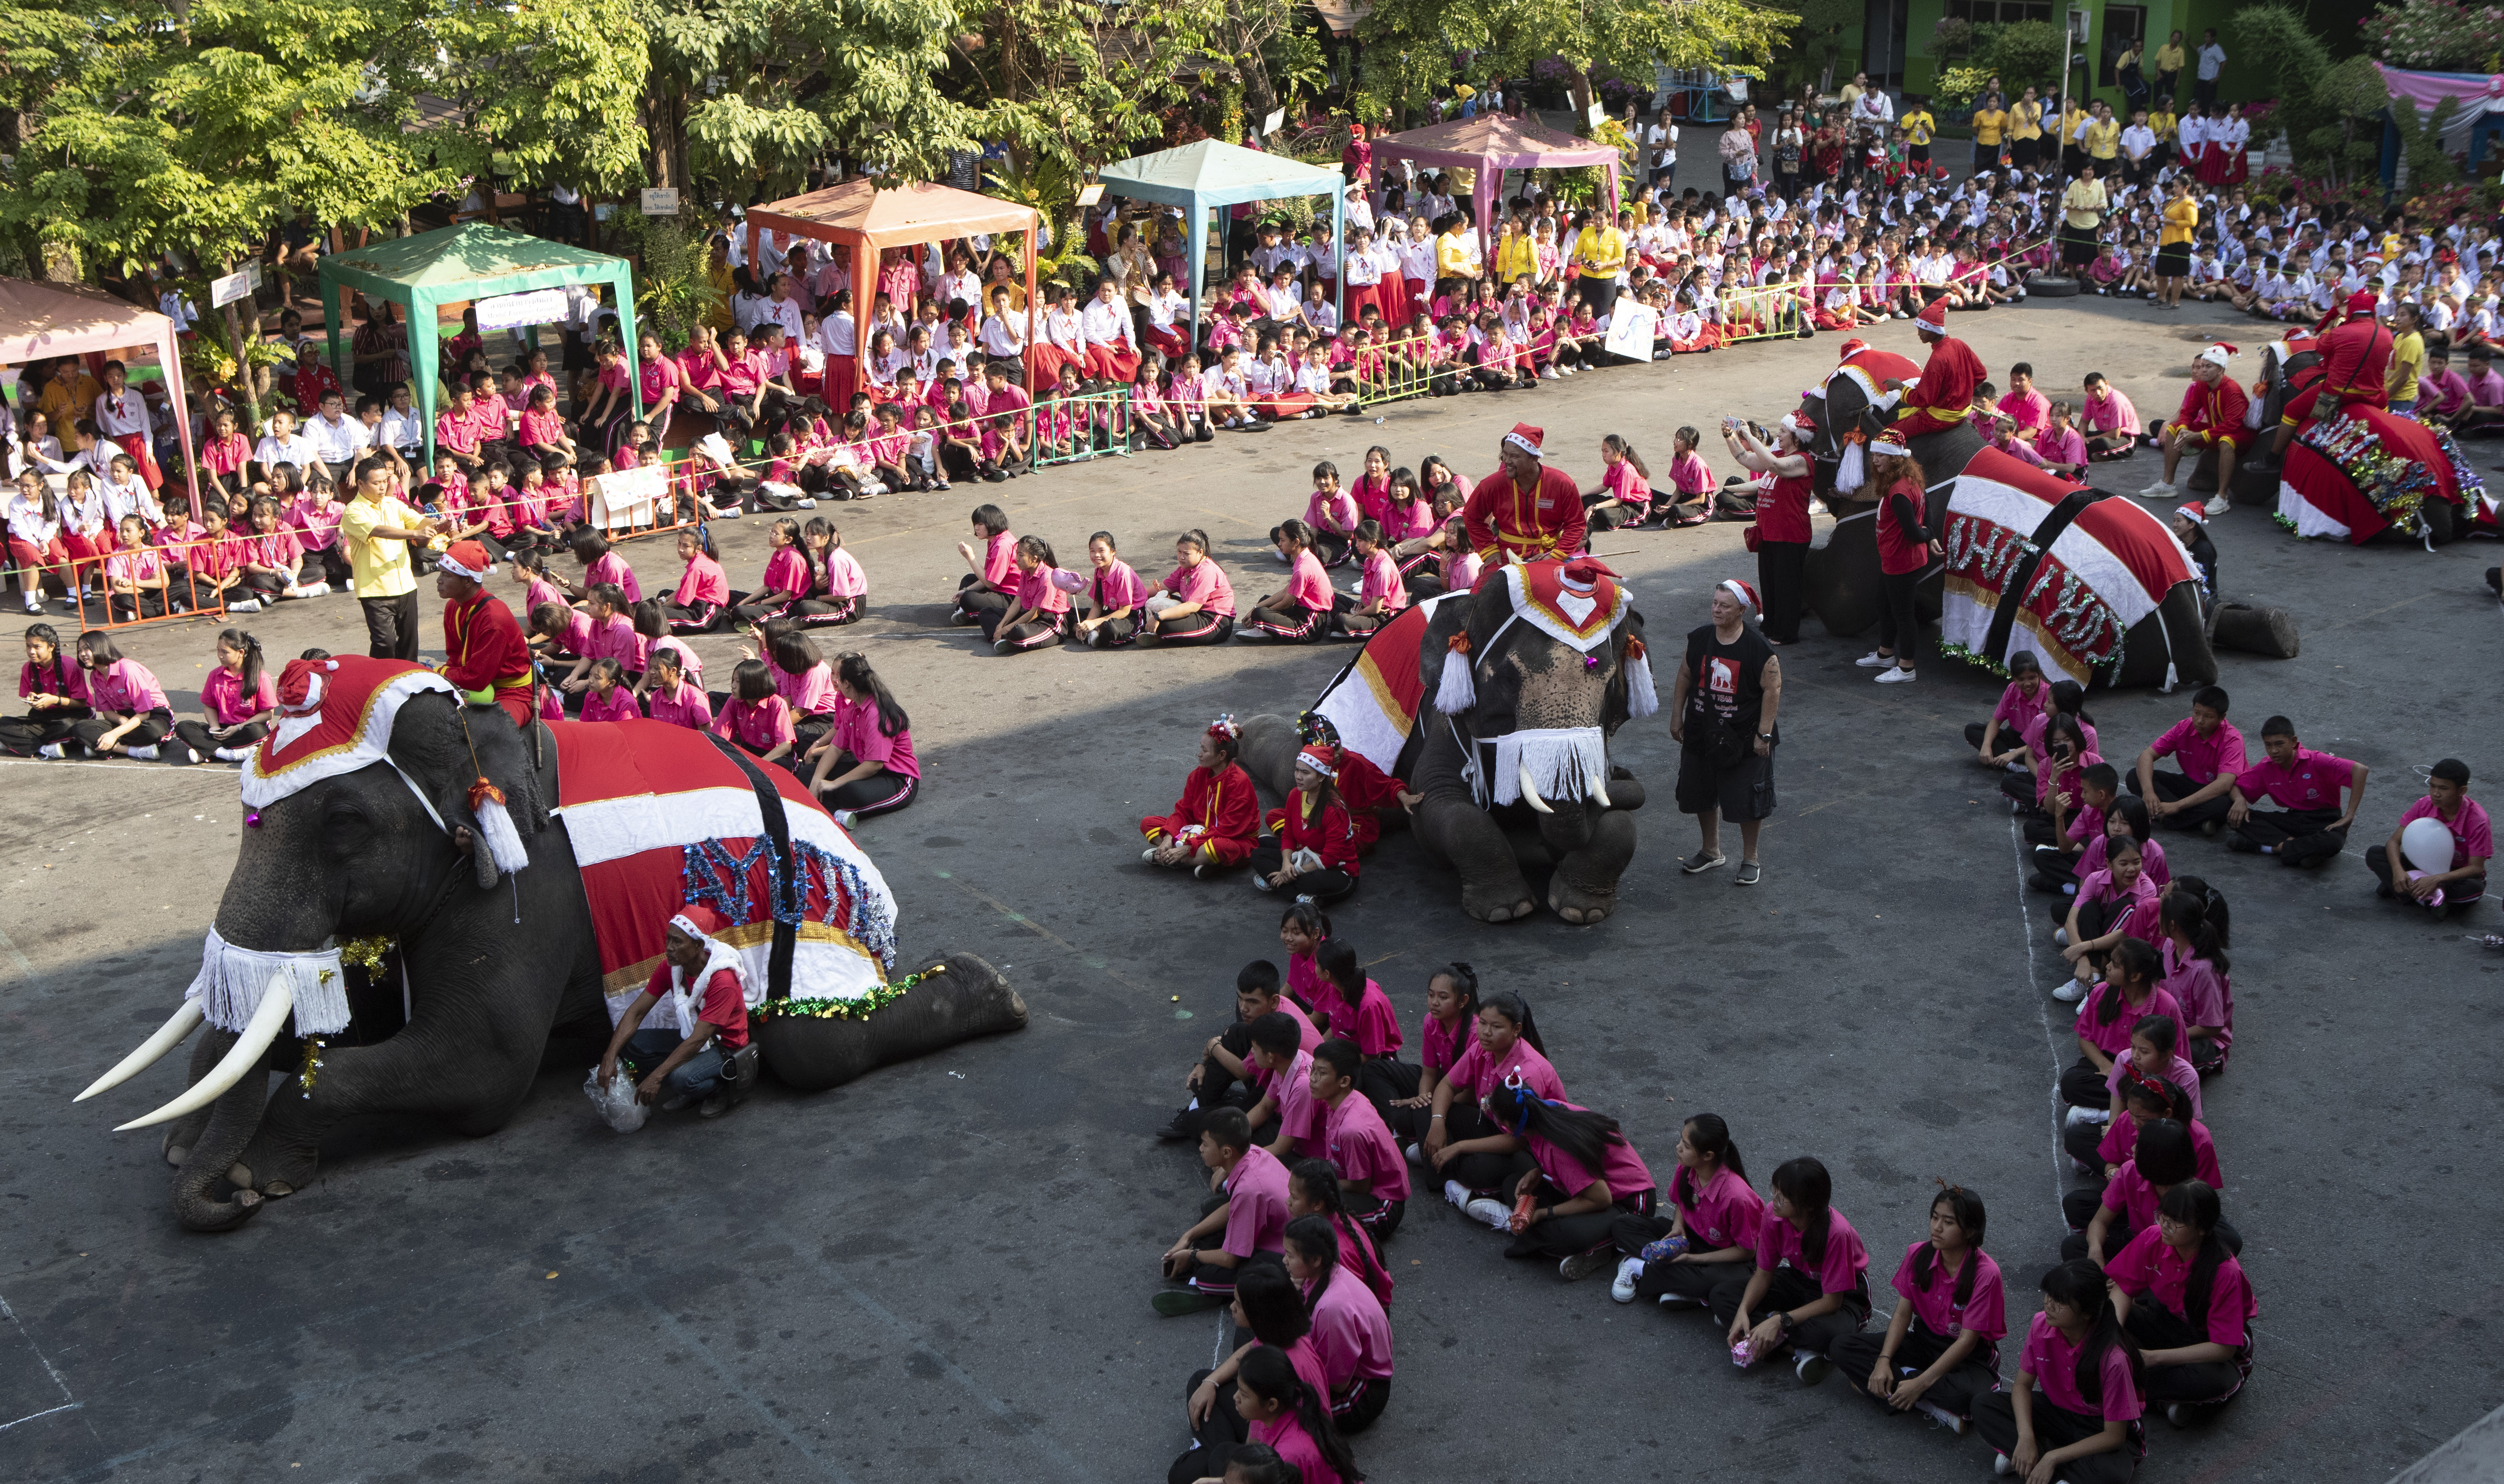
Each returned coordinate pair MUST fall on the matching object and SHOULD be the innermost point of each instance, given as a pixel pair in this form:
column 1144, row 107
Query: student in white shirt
column 282, row 444
column 337, row 439
column 402, row 427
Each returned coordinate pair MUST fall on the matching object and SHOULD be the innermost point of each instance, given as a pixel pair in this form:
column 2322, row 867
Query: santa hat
column 1932, row 321
column 1582, row 573
column 2193, row 511
column 2218, row 355
column 1853, row 347
column 700, row 922
column 1746, row 595
column 1223, row 726
column 1887, row 446
column 2363, row 301
column 1527, row 438
column 1798, row 427
column 468, row 559
column 1320, row 760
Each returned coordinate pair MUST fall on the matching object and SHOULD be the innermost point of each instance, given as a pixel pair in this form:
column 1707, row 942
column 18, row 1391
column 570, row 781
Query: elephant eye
column 343, row 828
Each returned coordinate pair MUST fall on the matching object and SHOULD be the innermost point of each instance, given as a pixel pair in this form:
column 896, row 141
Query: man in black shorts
column 1721, row 710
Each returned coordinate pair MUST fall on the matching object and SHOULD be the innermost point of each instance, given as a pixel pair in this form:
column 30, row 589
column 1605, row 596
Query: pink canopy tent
column 868, row 217
column 42, row 322
column 1490, row 145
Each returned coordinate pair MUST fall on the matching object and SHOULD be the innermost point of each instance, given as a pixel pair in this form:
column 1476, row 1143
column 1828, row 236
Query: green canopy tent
column 472, row 261
column 1209, row 174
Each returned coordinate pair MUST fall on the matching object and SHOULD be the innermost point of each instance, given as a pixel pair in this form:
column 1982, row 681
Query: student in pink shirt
column 2109, row 422
column 1372, row 1174
column 865, row 765
column 2059, row 443
column 1251, row 1218
column 2206, row 745
column 2460, row 879
column 1281, row 1412
column 2197, row 972
column 1330, row 514
column 1380, row 595
column 237, row 703
column 2162, row 1154
column 1350, row 1334
column 2083, row 1422
column 1470, row 1151
column 1283, row 1078
column 601, row 563
column 987, row 589
column 1998, row 742
column 1710, row 1231
column 132, row 716
column 1268, row 1313
column 1195, row 602
column 610, row 636
column 1940, row 1353
column 1351, row 1006
column 609, row 699
column 2184, row 1299
column 2023, row 404
column 2115, row 903
column 1116, row 597
column 702, row 599
column 138, row 581
column 314, row 516
column 1039, row 614
column 669, row 696
column 1811, row 1283
column 2307, row 827
column 1301, row 611
column 839, row 594
column 1585, row 1176
column 757, row 718
column 801, row 677
column 542, row 433
column 2131, row 990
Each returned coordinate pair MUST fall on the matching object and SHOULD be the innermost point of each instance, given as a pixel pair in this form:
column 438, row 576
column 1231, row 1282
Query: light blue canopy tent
column 1206, row 175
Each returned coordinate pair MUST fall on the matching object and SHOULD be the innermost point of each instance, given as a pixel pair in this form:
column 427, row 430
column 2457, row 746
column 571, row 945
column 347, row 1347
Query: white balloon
column 2427, row 844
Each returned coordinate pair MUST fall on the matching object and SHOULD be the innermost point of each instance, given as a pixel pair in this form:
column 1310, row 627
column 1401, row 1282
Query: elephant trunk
column 234, row 1119
column 963, row 998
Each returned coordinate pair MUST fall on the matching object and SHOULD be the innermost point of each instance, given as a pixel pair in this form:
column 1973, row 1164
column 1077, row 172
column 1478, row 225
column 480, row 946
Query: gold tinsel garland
column 368, row 954
column 860, row 1009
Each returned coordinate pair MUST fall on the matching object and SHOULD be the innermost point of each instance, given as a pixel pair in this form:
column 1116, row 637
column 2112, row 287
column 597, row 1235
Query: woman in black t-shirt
column 1729, row 688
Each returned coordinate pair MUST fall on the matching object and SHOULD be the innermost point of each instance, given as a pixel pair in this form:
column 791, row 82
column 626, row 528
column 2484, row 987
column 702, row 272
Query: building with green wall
column 1895, row 40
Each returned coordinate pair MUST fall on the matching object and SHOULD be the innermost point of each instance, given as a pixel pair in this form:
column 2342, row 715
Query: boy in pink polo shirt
column 1286, row 1089
column 2207, row 746
column 2307, row 827
column 2460, row 881
column 1251, row 1213
column 1373, row 1175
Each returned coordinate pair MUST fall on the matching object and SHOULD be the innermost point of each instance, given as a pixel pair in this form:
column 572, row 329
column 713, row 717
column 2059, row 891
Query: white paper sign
column 508, row 311
column 1276, row 121
column 627, row 498
column 1593, row 115
column 229, row 289
column 1630, row 330
column 661, row 201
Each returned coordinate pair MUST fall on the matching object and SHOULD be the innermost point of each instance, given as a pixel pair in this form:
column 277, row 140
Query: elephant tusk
column 1530, row 790
column 186, row 1020
column 1598, row 789
column 277, row 1002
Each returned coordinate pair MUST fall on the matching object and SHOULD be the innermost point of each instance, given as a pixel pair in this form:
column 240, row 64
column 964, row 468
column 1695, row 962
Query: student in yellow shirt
column 1916, row 128
column 1599, row 256
column 1514, row 262
column 2174, row 242
column 2162, row 121
column 2026, row 131
column 2408, row 362
column 2102, row 139
column 2074, row 150
column 1989, row 122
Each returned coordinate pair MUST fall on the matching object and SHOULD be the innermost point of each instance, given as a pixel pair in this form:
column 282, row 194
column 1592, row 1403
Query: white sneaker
column 1149, row 855
column 244, row 606
column 50, row 749
column 1564, row 370
column 1457, row 1194
column 142, row 754
column 1549, row 374
column 2059, row 936
column 2070, row 992
column 1873, row 660
column 192, row 754
column 2001, row 1465
column 805, row 505
column 1416, row 1156
column 231, row 754
column 2218, row 505
column 1810, row 1366
column 1488, row 1209
column 1624, row 1289
column 1899, row 676
column 847, row 817
column 2157, row 491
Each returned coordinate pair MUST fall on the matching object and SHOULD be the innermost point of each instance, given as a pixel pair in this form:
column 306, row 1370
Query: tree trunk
column 665, row 125
column 1260, row 93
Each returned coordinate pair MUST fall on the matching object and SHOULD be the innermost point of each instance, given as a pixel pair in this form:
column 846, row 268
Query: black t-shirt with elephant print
column 1726, row 688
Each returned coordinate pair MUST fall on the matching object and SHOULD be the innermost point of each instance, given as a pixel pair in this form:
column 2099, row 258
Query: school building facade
column 1896, row 38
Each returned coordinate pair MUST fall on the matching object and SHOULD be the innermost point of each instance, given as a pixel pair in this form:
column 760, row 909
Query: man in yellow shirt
column 2161, row 122
column 378, row 530
column 1916, row 129
column 2169, row 67
column 2408, row 362
column 1989, row 120
column 2102, row 139
column 69, row 396
column 1599, row 256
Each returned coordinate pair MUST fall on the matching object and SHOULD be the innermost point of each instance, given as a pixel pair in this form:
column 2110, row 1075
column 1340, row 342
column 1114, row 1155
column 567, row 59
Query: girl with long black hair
column 992, row 585
column 1811, row 1283
column 1708, row 1236
column 865, row 765
column 2144, row 1102
column 237, row 703
column 54, row 691
column 1350, row 1333
column 1452, row 1008
column 1269, row 1307
column 1577, row 1176
column 2129, row 990
column 789, row 577
column 1470, row 1153
column 2162, row 1156
column 1353, row 1005
column 1311, row 849
column 1285, row 1413
column 1038, row 615
column 1300, row 610
column 2152, row 1053
column 1941, row 1350
column 1314, row 1189
column 2197, row 971
column 2184, row 1299
column 2082, row 1425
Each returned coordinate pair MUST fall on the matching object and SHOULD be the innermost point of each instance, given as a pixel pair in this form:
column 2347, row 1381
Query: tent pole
column 1339, row 250
column 422, row 363
column 1034, row 231
column 634, row 367
column 169, row 354
column 1197, row 244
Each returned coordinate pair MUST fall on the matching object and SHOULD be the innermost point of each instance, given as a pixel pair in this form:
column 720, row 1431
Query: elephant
column 1543, row 797
column 1841, row 571
column 496, row 963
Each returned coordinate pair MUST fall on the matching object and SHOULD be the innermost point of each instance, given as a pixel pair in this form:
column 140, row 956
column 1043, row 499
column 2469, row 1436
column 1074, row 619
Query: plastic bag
column 615, row 1103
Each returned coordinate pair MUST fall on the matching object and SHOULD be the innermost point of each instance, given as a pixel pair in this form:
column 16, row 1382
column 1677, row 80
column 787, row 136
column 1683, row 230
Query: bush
column 2437, row 34
column 2026, row 53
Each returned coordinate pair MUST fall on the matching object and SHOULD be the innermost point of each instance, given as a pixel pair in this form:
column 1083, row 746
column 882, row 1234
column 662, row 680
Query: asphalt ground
column 942, row 1271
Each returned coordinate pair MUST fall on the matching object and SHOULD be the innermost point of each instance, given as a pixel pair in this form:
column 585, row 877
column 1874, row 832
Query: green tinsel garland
column 860, row 1009
column 1973, row 657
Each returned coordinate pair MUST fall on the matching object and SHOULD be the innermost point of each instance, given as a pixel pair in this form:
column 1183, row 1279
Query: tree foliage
column 2026, row 53
column 2322, row 103
column 1410, row 45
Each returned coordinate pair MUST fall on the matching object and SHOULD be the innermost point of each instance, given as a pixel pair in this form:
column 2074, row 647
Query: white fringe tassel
column 1458, row 692
column 231, row 980
column 1853, row 473
column 1559, row 760
column 504, row 842
column 1642, row 700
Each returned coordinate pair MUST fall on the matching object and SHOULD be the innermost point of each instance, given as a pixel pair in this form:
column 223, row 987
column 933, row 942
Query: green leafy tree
column 2026, row 53
column 1411, row 45
column 2326, row 106
column 1819, row 33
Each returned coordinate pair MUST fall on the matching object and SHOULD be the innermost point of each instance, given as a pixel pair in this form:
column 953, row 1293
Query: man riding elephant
column 1525, row 511
column 382, row 807
column 1942, row 397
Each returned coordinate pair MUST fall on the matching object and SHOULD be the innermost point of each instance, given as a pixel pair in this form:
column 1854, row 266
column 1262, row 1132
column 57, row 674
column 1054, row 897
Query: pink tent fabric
column 1490, row 145
column 39, row 322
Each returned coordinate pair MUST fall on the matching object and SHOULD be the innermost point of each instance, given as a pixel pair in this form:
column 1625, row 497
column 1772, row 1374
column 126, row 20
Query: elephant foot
column 274, row 1164
column 1506, row 902
column 180, row 1135
column 1579, row 905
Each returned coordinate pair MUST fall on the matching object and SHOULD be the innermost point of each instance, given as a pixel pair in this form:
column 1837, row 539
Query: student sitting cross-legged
column 1247, row 1216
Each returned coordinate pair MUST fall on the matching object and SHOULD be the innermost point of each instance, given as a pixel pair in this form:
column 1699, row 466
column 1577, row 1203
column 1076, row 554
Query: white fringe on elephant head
column 231, row 981
column 1537, row 764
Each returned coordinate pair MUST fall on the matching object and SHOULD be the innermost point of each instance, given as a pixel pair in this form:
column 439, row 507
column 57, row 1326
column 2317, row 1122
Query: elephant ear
column 445, row 747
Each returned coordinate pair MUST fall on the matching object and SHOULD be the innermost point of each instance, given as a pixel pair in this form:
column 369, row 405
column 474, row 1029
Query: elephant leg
column 965, row 998
column 232, row 1118
column 1584, row 887
column 473, row 1085
column 1267, row 748
column 1492, row 888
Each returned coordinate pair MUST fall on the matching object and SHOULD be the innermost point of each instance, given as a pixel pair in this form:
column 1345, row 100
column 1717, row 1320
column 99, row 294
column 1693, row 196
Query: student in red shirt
column 1904, row 548
column 1312, row 849
column 704, row 1052
column 2307, row 827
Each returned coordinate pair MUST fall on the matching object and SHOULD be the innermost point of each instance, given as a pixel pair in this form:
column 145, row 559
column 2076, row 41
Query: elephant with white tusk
column 358, row 803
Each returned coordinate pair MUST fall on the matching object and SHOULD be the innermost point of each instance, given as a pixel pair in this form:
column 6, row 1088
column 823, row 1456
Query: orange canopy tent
column 39, row 322
column 861, row 215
